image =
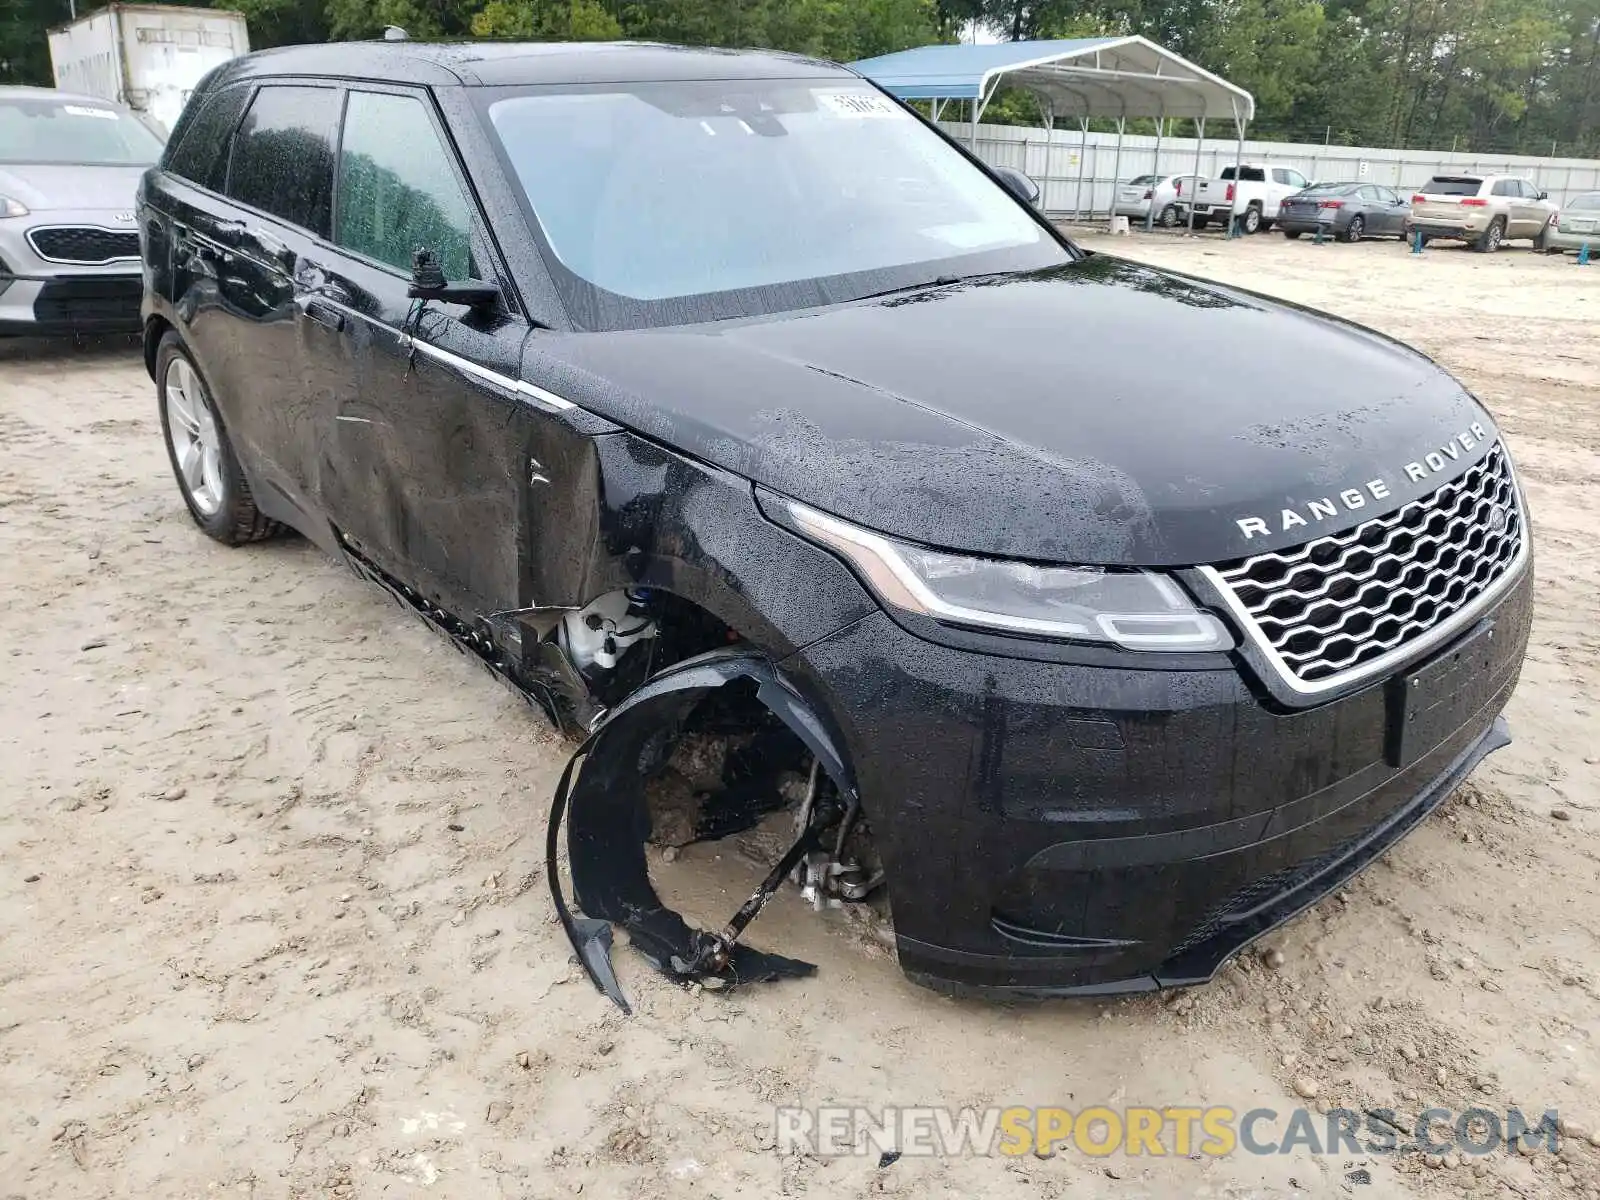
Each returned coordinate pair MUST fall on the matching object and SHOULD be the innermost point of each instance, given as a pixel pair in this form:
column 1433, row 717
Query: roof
column 1086, row 77
column 511, row 63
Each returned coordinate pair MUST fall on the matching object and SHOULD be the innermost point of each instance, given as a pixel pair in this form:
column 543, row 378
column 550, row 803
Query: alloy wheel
column 196, row 442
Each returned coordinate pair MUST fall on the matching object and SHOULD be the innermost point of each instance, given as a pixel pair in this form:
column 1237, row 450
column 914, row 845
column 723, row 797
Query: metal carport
column 1110, row 77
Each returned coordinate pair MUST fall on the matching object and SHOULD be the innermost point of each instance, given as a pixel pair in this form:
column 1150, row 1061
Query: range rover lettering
column 791, row 460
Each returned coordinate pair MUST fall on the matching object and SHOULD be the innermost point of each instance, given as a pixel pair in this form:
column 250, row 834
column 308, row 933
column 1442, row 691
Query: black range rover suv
column 715, row 400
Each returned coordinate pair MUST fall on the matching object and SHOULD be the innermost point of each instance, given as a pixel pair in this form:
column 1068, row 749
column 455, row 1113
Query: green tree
column 546, row 20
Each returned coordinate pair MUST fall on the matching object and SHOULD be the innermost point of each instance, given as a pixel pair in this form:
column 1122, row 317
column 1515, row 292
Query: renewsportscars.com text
column 1180, row 1131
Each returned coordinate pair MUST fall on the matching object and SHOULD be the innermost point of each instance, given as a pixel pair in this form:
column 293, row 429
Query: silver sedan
column 1152, row 195
column 1577, row 224
column 69, row 246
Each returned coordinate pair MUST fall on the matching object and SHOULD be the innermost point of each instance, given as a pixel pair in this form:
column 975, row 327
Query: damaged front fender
column 602, row 798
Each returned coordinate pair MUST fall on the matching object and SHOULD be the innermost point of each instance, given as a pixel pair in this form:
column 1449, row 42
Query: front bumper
column 42, row 297
column 78, row 303
column 1055, row 829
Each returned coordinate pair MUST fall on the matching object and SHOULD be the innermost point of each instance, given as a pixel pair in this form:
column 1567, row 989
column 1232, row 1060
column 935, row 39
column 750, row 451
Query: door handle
column 322, row 313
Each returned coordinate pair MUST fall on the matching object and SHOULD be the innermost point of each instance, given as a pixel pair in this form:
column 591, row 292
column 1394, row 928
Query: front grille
column 84, row 244
column 1329, row 607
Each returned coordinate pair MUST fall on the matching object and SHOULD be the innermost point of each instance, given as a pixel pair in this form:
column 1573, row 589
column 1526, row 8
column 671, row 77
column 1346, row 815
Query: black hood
column 1100, row 412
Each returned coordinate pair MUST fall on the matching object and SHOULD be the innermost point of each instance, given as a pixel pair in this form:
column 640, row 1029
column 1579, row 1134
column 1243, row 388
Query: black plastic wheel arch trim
column 600, row 798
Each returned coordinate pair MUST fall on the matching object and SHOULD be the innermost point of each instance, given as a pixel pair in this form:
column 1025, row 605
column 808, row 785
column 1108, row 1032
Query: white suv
column 1484, row 210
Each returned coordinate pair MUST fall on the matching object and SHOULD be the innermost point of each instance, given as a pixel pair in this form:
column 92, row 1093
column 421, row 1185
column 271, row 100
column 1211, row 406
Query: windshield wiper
column 940, row 281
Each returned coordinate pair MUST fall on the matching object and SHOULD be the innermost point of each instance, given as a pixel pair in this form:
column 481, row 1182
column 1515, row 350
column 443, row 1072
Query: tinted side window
column 201, row 153
column 397, row 190
column 282, row 159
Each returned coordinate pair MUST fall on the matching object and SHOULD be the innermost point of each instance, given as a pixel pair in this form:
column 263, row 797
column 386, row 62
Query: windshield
column 77, row 132
column 1145, row 180
column 1587, row 201
column 1329, row 189
column 684, row 201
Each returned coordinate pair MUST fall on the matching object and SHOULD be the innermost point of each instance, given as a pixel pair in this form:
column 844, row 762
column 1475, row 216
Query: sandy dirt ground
column 273, row 918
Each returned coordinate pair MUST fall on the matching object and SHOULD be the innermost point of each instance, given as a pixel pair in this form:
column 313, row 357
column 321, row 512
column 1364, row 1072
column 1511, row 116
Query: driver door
column 424, row 463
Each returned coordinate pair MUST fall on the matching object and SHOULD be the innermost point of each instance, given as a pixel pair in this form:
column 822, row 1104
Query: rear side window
column 282, row 160
column 1507, row 187
column 201, row 154
column 397, row 190
column 1245, row 174
column 1452, row 185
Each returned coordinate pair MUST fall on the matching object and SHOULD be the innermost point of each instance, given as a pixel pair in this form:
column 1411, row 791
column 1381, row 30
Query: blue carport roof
column 958, row 72
column 1087, row 77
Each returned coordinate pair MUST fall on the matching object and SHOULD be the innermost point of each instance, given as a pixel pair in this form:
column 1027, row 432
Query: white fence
column 1078, row 173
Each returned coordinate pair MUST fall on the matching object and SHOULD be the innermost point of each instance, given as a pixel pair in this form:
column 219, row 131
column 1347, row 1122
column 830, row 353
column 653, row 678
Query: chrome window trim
column 80, row 262
column 466, row 366
column 519, row 387
column 1260, row 646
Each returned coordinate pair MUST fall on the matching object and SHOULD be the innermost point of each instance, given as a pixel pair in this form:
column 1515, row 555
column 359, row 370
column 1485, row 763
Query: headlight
column 12, row 208
column 1137, row 610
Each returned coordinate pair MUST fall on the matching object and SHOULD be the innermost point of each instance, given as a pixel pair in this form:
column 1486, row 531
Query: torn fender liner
column 603, row 787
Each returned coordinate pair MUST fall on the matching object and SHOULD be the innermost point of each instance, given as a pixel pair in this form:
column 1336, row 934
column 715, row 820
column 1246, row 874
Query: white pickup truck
column 1253, row 192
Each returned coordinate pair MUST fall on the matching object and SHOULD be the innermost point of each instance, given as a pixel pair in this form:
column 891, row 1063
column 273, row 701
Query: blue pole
column 1583, row 255
column 1416, row 242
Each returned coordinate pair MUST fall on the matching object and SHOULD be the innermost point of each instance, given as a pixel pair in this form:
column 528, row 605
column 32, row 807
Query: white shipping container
column 147, row 56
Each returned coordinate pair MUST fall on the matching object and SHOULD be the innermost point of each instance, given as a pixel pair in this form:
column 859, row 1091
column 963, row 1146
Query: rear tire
column 1354, row 230
column 1492, row 238
column 214, row 488
column 1252, row 219
column 1168, row 217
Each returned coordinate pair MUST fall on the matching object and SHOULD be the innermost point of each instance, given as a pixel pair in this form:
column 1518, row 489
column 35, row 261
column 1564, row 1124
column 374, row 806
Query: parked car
column 1484, row 210
column 1155, row 196
column 1576, row 225
column 1348, row 211
column 837, row 480
column 69, row 247
column 1252, row 192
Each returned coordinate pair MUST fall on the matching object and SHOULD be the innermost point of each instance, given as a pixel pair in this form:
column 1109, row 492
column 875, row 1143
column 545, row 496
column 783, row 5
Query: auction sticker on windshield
column 858, row 105
column 77, row 110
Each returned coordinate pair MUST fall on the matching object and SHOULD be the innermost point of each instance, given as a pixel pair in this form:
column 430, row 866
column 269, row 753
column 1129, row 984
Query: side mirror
column 1544, row 195
column 1025, row 189
column 429, row 283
